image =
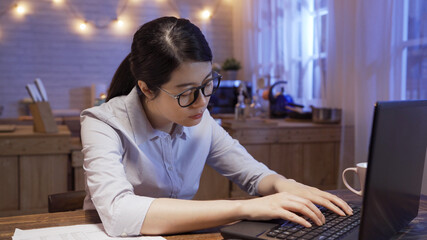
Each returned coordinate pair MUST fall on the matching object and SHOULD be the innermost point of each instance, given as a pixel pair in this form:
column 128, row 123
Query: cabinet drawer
column 253, row 136
column 309, row 135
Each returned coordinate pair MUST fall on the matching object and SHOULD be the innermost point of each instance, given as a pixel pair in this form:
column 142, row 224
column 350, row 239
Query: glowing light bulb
column 120, row 23
column 20, row 9
column 58, row 1
column 206, row 14
column 83, row 26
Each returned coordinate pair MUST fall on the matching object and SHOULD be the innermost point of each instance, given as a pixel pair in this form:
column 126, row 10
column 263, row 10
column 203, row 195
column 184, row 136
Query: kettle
column 279, row 101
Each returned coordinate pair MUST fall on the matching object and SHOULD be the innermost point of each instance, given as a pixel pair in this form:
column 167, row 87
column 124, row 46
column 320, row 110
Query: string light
column 205, row 14
column 122, row 26
column 120, row 23
column 83, row 26
column 20, row 9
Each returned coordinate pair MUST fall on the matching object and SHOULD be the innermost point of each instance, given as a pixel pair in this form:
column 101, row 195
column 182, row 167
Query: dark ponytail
column 123, row 80
column 158, row 48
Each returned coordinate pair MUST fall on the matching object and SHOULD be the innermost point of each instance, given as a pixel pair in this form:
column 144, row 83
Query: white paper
column 74, row 232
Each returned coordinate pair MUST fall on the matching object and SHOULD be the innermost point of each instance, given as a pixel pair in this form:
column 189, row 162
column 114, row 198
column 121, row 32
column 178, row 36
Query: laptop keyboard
column 335, row 227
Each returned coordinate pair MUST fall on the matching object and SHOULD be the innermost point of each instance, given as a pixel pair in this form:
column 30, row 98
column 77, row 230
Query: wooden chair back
column 67, row 201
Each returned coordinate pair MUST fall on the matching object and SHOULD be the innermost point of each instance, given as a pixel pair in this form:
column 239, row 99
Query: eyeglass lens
column 190, row 96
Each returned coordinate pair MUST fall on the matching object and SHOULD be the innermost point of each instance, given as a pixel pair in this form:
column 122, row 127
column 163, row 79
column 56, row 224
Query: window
column 414, row 56
column 309, row 60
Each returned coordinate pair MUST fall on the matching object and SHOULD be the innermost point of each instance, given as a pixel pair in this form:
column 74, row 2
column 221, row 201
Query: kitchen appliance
column 279, row 101
column 225, row 97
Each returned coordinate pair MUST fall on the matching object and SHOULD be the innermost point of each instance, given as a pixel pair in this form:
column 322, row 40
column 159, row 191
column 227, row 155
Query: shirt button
column 124, row 235
column 170, row 168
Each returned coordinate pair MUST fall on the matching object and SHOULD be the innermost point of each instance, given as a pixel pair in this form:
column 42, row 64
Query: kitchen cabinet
column 304, row 151
column 32, row 166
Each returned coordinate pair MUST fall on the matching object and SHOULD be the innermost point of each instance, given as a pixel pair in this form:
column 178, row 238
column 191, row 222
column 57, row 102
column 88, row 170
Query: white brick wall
column 45, row 43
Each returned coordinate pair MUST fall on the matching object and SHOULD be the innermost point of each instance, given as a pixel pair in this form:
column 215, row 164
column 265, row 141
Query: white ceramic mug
column 360, row 170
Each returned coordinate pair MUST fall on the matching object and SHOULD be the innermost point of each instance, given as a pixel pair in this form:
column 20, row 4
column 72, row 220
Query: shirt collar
column 181, row 131
column 141, row 127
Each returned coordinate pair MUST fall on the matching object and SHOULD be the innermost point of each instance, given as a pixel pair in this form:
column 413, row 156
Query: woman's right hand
column 284, row 206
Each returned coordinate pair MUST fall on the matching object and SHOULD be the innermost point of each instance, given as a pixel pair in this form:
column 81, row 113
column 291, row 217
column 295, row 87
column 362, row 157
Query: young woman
column 146, row 147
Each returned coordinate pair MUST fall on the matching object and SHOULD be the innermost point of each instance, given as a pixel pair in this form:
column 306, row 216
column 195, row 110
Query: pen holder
column 43, row 118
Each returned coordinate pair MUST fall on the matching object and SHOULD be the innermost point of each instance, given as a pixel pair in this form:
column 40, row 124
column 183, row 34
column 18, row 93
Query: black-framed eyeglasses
column 189, row 96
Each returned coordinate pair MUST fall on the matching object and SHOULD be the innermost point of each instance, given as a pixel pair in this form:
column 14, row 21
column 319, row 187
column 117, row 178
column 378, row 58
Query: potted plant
column 230, row 67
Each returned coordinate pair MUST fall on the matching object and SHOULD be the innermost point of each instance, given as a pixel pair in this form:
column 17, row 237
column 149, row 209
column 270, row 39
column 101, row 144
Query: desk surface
column 417, row 229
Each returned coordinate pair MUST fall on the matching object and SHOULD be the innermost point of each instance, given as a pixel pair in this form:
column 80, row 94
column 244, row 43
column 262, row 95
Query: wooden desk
column 417, row 229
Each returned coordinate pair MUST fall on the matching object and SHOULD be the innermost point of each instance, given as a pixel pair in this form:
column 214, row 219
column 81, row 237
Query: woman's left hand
column 276, row 183
column 315, row 195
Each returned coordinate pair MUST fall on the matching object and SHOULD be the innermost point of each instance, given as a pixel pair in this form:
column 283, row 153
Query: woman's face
column 166, row 109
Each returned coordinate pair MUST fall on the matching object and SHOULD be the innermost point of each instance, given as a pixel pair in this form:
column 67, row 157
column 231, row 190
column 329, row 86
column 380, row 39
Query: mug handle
column 346, row 183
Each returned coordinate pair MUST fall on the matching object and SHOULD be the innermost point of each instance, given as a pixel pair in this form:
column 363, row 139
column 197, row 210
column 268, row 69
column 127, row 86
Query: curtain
column 260, row 30
column 281, row 40
column 363, row 66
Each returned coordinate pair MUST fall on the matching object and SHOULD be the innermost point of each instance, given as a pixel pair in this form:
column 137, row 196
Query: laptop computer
column 397, row 151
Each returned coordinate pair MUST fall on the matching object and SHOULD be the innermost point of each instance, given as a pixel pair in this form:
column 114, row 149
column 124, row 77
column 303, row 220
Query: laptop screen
column 395, row 168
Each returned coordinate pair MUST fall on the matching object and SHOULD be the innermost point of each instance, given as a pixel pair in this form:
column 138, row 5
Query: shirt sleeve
column 230, row 158
column 121, row 211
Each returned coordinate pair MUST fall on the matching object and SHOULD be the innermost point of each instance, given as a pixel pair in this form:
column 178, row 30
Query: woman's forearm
column 268, row 185
column 283, row 198
column 167, row 216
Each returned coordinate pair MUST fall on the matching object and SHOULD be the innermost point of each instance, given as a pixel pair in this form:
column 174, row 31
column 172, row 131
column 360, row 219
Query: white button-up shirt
column 128, row 163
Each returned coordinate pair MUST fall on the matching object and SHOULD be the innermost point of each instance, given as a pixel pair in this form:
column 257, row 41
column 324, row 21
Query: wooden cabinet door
column 287, row 160
column 261, row 152
column 9, row 187
column 314, row 164
column 41, row 175
column 320, row 165
column 212, row 185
